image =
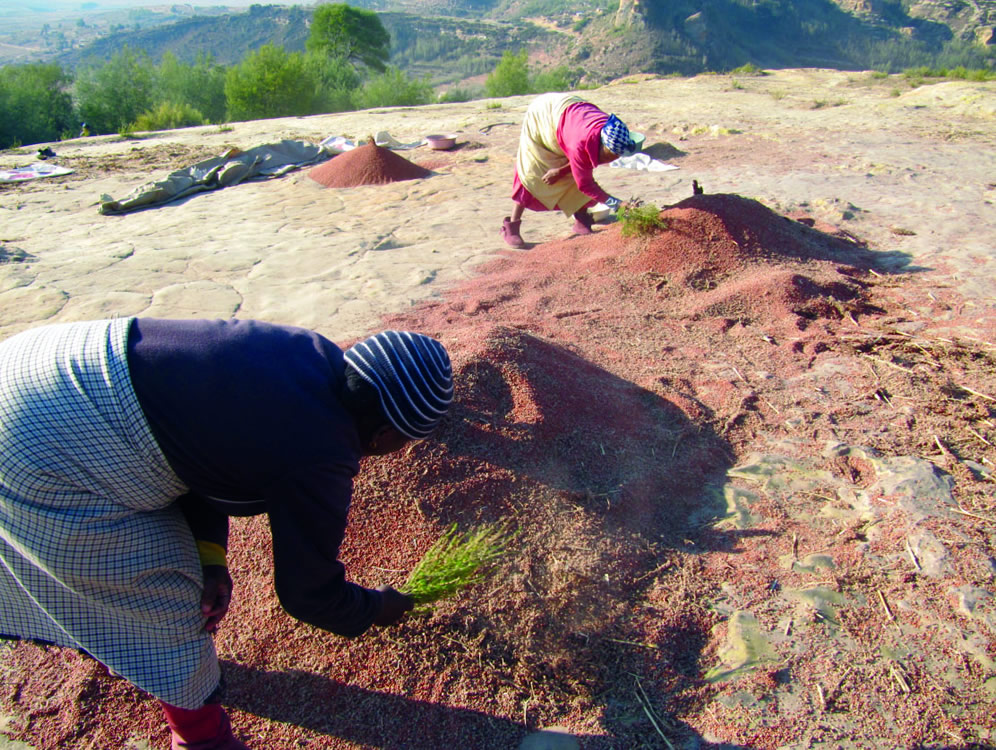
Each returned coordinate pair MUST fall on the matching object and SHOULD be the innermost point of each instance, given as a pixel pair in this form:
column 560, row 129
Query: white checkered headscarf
column 412, row 375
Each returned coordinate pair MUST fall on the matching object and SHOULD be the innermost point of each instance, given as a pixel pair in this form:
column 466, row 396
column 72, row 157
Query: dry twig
column 888, row 611
column 901, row 679
column 943, row 448
column 632, row 643
column 973, row 515
column 909, row 549
column 648, row 709
column 980, row 437
column 885, row 606
column 975, row 393
column 908, row 370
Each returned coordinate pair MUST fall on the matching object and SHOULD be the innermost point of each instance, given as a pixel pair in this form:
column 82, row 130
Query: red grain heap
column 366, row 165
column 605, row 387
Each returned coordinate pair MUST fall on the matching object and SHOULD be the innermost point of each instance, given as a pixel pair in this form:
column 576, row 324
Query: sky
column 45, row 6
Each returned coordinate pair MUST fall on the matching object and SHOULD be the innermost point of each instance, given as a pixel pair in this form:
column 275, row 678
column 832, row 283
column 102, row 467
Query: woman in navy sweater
column 128, row 443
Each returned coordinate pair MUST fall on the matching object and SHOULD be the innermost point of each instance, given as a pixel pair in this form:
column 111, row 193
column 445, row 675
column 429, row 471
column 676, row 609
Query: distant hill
column 454, row 39
column 227, row 38
column 445, row 48
column 691, row 36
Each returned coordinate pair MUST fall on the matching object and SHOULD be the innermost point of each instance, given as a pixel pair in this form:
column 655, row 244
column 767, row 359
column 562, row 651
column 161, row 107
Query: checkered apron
column 94, row 553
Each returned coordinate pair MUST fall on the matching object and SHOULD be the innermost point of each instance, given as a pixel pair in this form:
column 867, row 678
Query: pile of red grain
column 590, row 382
column 725, row 265
column 369, row 164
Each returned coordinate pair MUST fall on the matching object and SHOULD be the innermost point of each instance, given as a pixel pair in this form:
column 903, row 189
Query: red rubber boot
column 206, row 728
column 510, row 232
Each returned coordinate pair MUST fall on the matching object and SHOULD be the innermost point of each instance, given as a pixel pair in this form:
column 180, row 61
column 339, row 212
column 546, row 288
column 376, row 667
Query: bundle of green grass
column 456, row 561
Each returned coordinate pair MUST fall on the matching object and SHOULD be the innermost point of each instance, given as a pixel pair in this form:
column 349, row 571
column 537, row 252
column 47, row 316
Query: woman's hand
column 394, row 606
column 552, row 175
column 217, row 595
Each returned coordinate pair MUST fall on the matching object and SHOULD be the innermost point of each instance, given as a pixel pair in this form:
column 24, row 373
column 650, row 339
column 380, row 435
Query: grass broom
column 456, row 561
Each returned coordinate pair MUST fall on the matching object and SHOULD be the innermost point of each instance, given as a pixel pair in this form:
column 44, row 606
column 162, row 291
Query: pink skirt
column 525, row 199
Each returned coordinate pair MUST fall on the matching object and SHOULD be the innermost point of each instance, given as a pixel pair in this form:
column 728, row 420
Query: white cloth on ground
column 33, row 172
column 642, row 162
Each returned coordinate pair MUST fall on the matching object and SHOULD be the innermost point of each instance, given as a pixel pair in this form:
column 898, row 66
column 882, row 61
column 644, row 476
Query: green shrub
column 748, row 69
column 457, row 95
column 557, row 79
column 640, row 221
column 917, row 73
column 337, row 83
column 201, row 85
column 168, row 116
column 981, row 74
column 959, row 72
column 392, row 88
column 510, row 77
column 113, row 95
column 34, row 104
column 270, row 82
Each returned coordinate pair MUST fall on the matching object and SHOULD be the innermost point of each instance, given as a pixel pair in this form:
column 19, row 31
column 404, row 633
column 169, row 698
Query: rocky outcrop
column 630, row 15
column 695, row 27
column 968, row 20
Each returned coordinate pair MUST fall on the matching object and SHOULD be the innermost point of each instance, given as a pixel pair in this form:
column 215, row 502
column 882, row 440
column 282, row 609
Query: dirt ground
column 749, row 455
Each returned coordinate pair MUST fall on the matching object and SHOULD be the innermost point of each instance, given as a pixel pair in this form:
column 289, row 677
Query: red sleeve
column 580, row 137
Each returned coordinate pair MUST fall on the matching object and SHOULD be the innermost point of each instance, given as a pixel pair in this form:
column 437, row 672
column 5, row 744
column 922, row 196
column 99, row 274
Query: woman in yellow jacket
column 563, row 139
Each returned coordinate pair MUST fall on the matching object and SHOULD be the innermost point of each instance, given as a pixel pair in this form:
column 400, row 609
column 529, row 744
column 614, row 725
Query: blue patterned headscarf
column 616, row 137
column 412, row 375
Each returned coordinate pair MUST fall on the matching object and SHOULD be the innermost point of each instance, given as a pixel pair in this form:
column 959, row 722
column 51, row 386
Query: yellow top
column 539, row 152
column 211, row 554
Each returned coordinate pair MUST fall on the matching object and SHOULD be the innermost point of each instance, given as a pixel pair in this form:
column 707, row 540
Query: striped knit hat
column 412, row 374
column 616, row 137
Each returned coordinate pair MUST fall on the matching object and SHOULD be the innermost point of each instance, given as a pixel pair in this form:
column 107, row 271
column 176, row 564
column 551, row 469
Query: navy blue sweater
column 249, row 417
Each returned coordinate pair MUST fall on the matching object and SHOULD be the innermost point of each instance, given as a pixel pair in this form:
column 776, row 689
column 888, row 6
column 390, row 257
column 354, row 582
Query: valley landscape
column 451, row 41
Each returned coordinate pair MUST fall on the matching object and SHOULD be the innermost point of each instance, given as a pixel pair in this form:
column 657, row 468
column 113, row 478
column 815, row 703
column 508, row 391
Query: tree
column 112, row 96
column 510, row 77
column 340, row 31
column 336, row 82
column 35, row 105
column 392, row 88
column 269, row 82
column 200, row 86
column 557, row 79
